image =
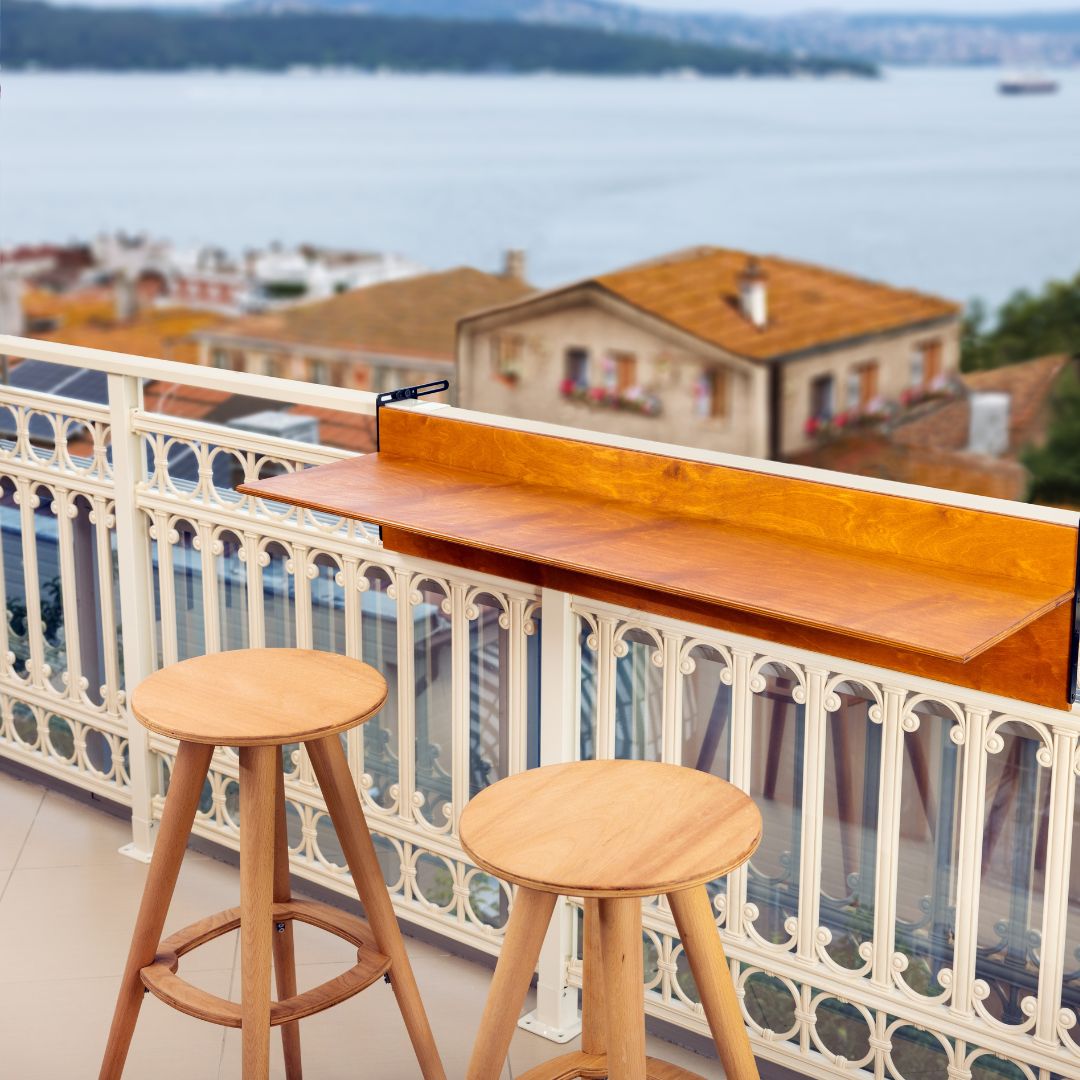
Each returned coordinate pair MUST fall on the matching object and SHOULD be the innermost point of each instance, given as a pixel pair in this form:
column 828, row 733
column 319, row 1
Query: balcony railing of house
column 913, row 911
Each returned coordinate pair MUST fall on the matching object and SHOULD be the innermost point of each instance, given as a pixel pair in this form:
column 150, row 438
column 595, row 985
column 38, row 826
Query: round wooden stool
column 258, row 700
column 611, row 832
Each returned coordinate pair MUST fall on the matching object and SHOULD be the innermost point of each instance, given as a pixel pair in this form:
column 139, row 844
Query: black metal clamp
column 406, row 393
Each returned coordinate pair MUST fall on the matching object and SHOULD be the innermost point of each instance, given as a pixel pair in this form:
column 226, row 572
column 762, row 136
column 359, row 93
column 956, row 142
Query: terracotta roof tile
column 808, row 306
column 874, row 455
column 415, row 316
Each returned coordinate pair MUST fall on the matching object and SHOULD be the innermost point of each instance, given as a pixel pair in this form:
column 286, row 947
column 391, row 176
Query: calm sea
column 926, row 178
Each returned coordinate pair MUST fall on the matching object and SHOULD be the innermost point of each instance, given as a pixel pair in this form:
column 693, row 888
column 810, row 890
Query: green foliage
column 1027, row 326
column 1055, row 467
column 39, row 35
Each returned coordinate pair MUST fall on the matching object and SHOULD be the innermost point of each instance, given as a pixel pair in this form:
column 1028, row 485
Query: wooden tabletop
column 610, row 828
column 952, row 609
column 258, row 697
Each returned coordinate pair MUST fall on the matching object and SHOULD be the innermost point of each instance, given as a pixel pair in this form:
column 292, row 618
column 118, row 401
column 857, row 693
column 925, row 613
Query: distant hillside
column 1027, row 37
column 36, row 34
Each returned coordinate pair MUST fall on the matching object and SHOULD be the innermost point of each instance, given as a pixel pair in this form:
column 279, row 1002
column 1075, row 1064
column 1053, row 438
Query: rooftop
column 808, row 306
column 415, row 316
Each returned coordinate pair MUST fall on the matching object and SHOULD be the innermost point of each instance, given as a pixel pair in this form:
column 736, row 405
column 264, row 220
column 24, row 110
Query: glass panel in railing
column 433, row 672
column 849, row 826
column 587, row 645
column 990, row 1066
column 232, row 592
column 706, row 711
column 93, row 645
column 844, row 1029
column 929, row 838
column 489, row 687
column 187, row 591
column 18, row 637
column 378, row 631
column 532, row 691
column 916, row 1053
column 279, row 597
column 47, row 507
column 327, row 604
column 706, row 723
column 1016, row 814
column 771, row 1002
column 777, row 747
column 639, row 695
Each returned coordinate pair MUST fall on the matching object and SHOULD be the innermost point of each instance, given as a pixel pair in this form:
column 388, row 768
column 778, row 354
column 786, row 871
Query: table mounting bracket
column 406, row 393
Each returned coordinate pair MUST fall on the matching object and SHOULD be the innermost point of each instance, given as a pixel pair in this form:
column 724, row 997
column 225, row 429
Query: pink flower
column 812, row 426
column 566, row 387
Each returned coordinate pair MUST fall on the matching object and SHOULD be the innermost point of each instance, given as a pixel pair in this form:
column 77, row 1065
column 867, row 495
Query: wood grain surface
column 918, row 578
column 258, row 697
column 596, row 828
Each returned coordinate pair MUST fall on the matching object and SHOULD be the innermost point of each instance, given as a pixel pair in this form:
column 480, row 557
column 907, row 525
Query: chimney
column 12, row 315
column 988, row 432
column 125, row 300
column 753, row 293
column 514, row 265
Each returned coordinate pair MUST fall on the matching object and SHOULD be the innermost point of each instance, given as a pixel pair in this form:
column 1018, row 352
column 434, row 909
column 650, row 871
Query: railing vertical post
column 136, row 600
column 1056, row 888
column 556, row 1014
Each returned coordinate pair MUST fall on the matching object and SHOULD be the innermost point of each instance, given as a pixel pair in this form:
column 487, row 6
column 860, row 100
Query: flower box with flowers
column 634, row 399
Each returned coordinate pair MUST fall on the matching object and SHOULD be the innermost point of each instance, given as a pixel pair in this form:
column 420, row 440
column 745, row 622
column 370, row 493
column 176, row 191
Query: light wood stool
column 611, row 832
column 258, row 700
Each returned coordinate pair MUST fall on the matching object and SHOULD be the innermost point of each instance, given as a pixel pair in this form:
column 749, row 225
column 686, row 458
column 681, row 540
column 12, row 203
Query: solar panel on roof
column 58, row 380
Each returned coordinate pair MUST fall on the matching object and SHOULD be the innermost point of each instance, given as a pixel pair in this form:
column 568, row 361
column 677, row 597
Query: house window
column 624, row 369
column 272, row 366
column 821, row 398
column 220, row 358
column 507, row 352
column 712, row 395
column 577, row 367
column 862, row 387
column 927, row 363
column 932, row 367
column 319, row 372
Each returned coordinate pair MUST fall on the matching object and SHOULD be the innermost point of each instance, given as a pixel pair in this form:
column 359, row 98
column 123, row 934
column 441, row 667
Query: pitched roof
column 808, row 306
column 876, row 455
column 85, row 317
column 415, row 316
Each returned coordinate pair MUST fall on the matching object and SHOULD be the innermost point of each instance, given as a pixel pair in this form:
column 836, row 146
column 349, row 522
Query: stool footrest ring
column 161, row 979
column 594, row 1067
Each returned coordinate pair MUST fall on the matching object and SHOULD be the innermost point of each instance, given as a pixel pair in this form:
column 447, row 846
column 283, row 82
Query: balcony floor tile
column 67, row 905
column 20, row 802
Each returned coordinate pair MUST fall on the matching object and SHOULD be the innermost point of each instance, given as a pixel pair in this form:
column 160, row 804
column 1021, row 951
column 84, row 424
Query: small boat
column 1028, row 84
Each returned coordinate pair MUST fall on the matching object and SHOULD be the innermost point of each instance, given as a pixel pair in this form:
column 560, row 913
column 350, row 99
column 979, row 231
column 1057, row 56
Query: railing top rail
column 363, row 402
column 207, row 378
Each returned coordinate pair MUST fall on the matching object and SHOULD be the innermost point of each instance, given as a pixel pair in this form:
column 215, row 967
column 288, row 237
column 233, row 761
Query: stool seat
column 610, row 828
column 259, row 697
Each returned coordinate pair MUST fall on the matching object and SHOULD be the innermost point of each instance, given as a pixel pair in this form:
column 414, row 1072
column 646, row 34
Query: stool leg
column 257, row 767
column 593, row 1020
column 525, row 933
column 185, row 790
column 621, row 946
column 701, row 942
column 343, row 803
column 284, row 952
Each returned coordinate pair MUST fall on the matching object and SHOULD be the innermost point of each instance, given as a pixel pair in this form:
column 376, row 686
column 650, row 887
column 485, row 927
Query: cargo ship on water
column 1028, row 84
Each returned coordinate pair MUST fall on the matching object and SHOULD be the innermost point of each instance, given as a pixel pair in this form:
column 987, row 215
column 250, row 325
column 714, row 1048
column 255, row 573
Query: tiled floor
column 67, row 905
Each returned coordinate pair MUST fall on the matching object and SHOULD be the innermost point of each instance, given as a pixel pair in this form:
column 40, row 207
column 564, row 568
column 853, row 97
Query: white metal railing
column 913, row 912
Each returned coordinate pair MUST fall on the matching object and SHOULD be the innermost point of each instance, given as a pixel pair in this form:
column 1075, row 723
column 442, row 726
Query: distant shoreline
column 40, row 36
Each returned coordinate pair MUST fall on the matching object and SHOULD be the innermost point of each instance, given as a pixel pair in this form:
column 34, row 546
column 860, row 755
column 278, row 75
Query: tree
column 1055, row 467
column 1027, row 326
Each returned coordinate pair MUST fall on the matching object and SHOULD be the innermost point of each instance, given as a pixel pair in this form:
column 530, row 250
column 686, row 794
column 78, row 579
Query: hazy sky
column 778, row 7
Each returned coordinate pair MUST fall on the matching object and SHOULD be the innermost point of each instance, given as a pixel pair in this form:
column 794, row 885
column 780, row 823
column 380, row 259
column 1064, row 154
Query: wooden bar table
column 970, row 597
